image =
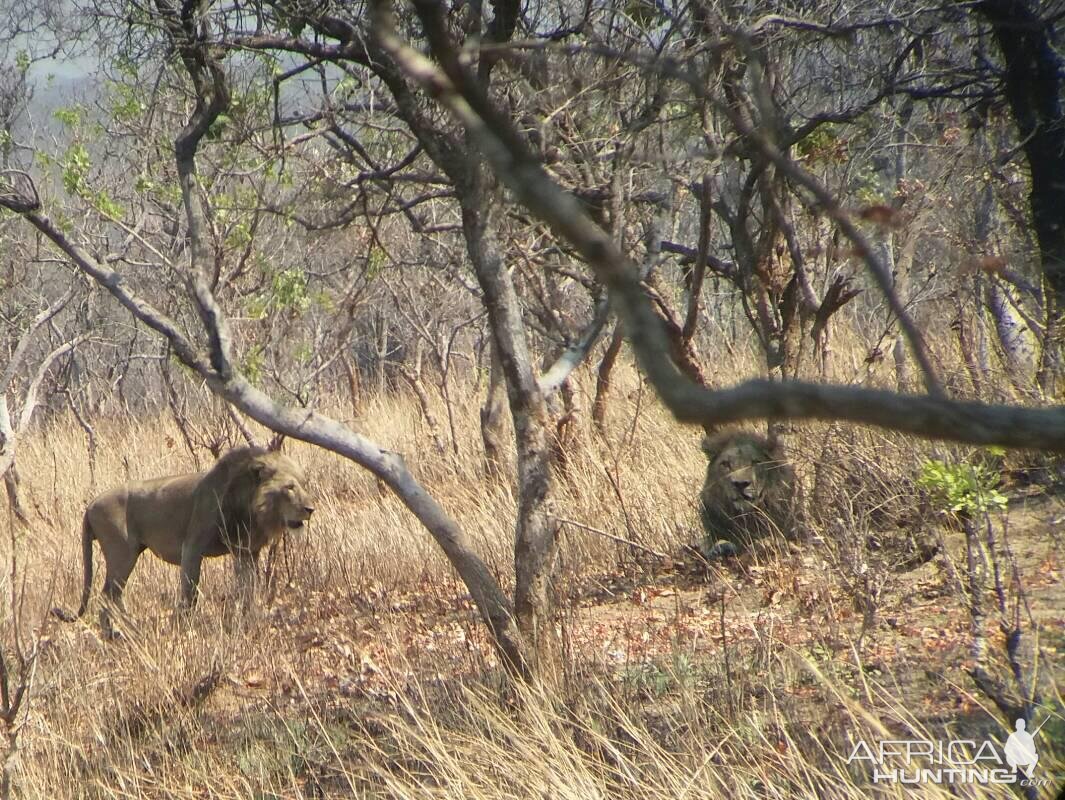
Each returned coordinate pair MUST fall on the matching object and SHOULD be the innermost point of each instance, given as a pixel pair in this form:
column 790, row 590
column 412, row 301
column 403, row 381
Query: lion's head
column 749, row 488
column 744, row 469
column 254, row 490
column 280, row 499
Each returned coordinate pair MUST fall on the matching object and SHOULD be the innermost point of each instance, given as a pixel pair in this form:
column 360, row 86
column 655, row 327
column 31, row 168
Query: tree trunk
column 492, row 420
column 1019, row 354
column 963, row 329
column 1034, row 86
column 11, row 486
column 413, row 376
column 602, row 380
column 984, row 224
column 536, row 534
column 353, row 384
column 903, row 277
column 380, row 375
column 566, row 440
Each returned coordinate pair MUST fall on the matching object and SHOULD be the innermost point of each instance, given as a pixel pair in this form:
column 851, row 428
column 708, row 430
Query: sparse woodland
column 492, row 271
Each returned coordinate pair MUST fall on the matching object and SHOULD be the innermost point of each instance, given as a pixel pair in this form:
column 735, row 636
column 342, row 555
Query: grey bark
column 492, row 420
column 1020, row 349
column 536, row 530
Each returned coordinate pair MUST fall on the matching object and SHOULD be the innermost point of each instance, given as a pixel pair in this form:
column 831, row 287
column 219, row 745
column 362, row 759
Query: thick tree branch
column 114, row 283
column 189, row 35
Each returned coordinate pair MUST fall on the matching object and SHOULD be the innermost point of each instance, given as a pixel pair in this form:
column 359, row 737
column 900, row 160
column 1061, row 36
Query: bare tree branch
column 24, row 340
column 10, row 432
column 29, row 403
column 929, row 416
column 555, row 375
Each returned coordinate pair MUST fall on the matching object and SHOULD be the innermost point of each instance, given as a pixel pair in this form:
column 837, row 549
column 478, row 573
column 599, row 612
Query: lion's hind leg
column 114, row 585
column 120, row 557
column 87, row 538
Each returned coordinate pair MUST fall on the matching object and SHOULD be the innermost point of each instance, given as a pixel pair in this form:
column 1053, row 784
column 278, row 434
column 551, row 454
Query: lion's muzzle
column 744, row 490
column 304, row 515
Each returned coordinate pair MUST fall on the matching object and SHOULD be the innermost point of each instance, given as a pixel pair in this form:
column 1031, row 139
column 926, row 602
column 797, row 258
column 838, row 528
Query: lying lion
column 749, row 492
column 243, row 503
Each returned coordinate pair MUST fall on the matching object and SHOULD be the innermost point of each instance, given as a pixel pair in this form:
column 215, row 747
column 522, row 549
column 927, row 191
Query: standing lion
column 749, row 492
column 247, row 500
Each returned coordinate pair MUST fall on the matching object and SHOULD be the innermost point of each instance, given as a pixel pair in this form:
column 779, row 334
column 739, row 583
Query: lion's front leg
column 191, row 562
column 246, row 567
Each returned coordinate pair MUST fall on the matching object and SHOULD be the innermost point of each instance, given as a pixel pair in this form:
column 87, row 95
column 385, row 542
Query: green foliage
column 324, row 301
column 346, row 87
column 215, row 131
column 252, row 365
column 962, row 489
column 76, row 166
column 107, row 206
column 68, row 115
column 127, row 104
column 658, row 679
column 868, row 190
column 823, row 144
column 143, row 184
column 257, row 307
column 287, row 292
column 376, row 263
column 289, row 289
column 126, row 66
column 644, row 13
column 22, row 61
column 250, row 101
column 239, row 236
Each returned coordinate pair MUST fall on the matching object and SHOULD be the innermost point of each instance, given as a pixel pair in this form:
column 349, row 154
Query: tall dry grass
column 368, row 673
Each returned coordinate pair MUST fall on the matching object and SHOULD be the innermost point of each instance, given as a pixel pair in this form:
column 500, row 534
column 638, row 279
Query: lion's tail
column 87, row 537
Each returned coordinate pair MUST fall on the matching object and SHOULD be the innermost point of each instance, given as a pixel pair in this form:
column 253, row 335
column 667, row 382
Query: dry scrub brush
column 224, row 707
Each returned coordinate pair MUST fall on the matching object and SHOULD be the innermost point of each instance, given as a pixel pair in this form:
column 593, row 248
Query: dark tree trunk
column 11, row 486
column 1034, row 82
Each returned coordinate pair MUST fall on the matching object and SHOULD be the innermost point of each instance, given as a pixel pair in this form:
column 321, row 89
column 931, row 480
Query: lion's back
column 153, row 512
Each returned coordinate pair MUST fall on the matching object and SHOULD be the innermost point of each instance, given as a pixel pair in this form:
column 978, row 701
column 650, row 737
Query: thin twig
column 612, row 536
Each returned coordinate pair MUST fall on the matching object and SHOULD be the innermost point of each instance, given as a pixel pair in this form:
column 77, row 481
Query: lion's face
column 742, row 471
column 282, row 500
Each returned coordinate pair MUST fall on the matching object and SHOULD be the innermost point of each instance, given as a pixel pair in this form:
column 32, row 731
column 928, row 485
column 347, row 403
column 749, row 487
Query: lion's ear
column 713, row 444
column 262, row 471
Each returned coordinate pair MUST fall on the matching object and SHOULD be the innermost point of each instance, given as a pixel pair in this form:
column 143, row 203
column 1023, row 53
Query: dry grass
column 369, row 675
